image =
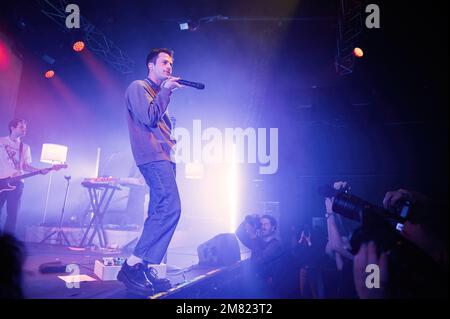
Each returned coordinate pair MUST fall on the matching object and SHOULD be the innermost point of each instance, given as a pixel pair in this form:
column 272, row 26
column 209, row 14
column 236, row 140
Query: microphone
column 196, row 85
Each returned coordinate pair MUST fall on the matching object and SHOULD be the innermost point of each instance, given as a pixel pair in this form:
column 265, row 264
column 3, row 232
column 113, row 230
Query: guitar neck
column 18, row 178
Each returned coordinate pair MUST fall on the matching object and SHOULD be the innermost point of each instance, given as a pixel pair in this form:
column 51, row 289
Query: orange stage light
column 358, row 52
column 49, row 74
column 78, row 46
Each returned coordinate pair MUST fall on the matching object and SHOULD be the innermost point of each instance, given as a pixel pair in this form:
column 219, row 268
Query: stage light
column 4, row 56
column 358, row 52
column 49, row 74
column 78, row 46
column 52, row 154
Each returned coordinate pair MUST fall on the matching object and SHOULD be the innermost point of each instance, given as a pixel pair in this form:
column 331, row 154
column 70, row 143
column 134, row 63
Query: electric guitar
column 5, row 183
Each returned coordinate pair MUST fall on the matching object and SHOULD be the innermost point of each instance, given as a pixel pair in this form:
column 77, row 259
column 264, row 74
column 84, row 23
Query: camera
column 412, row 272
column 377, row 224
column 355, row 208
column 254, row 221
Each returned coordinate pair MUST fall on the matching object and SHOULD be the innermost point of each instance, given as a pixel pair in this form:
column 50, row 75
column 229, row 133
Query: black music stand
column 60, row 235
column 100, row 195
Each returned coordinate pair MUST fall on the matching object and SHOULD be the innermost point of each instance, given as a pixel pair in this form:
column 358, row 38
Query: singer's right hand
column 171, row 83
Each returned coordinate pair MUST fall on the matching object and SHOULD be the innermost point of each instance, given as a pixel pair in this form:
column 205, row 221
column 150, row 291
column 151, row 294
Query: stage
column 186, row 276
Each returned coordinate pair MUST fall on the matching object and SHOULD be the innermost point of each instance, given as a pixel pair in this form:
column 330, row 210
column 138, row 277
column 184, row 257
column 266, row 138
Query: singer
column 149, row 129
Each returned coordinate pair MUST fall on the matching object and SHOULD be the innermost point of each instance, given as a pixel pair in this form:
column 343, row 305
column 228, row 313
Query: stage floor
column 49, row 286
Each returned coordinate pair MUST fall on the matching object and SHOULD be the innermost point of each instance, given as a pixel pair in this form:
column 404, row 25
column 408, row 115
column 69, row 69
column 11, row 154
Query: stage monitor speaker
column 221, row 250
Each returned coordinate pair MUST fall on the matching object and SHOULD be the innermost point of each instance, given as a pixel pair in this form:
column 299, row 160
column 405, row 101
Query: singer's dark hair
column 153, row 55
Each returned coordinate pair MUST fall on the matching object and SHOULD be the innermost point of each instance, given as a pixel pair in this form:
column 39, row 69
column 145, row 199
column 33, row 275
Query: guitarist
column 15, row 158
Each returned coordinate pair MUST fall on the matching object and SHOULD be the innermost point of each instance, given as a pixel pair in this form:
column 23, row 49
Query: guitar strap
column 20, row 155
column 11, row 155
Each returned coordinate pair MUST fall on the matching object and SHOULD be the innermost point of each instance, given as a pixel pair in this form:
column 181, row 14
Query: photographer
column 340, row 283
column 309, row 256
column 259, row 235
column 413, row 268
column 427, row 227
column 338, row 245
column 405, row 243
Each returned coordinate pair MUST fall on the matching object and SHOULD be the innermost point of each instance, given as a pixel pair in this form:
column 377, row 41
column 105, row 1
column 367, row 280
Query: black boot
column 159, row 284
column 135, row 278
